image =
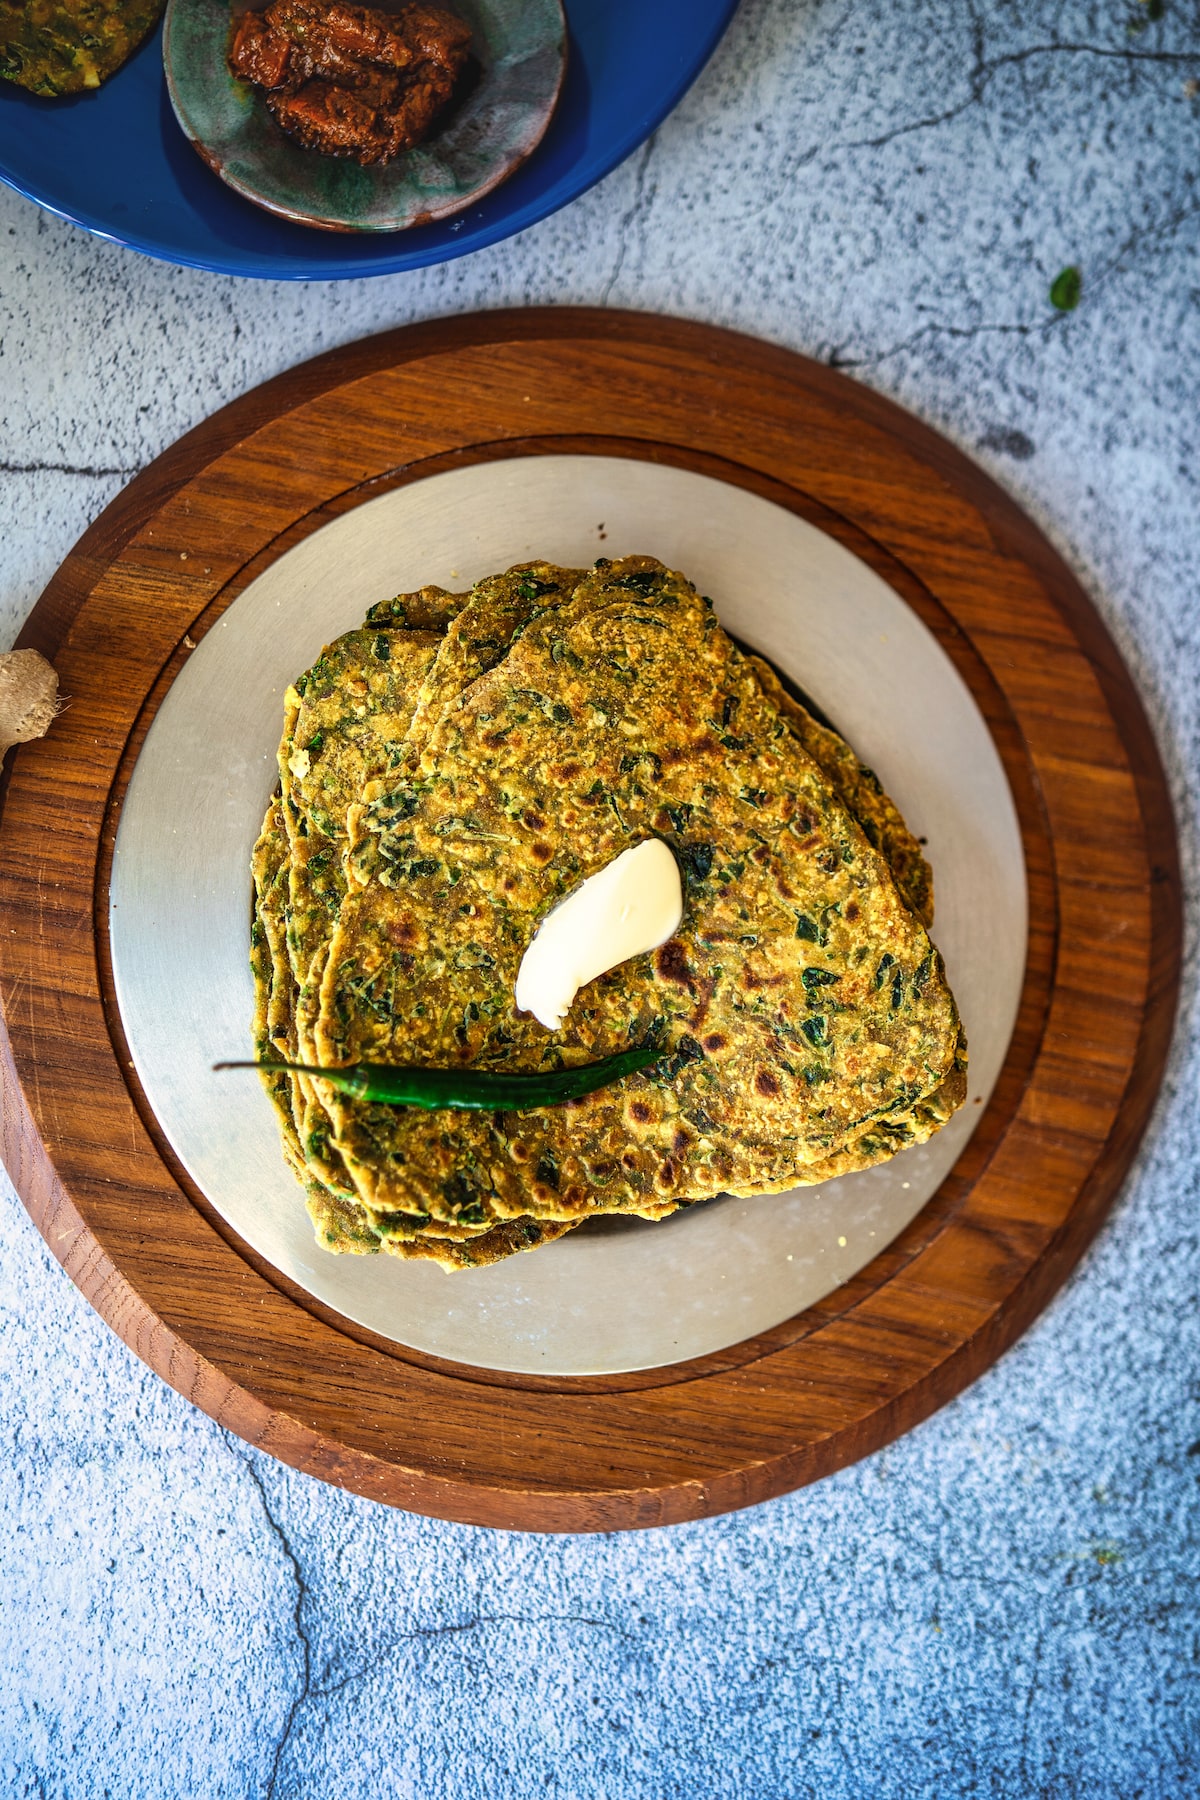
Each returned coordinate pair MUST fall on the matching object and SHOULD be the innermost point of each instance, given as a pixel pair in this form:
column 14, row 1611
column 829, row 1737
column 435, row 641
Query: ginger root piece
column 29, row 699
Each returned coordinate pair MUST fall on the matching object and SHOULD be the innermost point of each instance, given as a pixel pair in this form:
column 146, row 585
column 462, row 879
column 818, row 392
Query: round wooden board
column 979, row 1262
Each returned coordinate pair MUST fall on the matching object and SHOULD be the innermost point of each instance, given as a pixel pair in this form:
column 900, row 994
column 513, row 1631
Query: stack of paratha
column 67, row 46
column 456, row 767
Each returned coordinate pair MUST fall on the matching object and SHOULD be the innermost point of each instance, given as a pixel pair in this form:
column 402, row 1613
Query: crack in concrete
column 834, row 1717
column 782, row 180
column 54, row 468
column 307, row 1691
column 1039, row 1651
column 298, row 1616
column 457, row 1629
column 1140, row 238
column 640, row 199
column 980, row 75
column 837, row 361
column 1143, row 235
column 985, row 69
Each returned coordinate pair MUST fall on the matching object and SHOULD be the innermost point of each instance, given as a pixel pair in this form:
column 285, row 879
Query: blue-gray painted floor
column 1005, row 1602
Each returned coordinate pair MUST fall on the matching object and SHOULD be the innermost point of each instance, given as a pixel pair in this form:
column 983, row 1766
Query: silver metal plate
column 633, row 1295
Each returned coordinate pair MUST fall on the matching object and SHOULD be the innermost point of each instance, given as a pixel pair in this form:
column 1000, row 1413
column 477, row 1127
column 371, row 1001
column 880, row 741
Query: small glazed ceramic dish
column 497, row 120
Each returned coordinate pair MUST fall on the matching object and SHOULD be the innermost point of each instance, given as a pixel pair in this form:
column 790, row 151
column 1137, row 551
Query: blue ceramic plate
column 519, row 48
column 117, row 163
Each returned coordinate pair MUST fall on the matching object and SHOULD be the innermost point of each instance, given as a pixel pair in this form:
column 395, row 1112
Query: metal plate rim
column 714, row 507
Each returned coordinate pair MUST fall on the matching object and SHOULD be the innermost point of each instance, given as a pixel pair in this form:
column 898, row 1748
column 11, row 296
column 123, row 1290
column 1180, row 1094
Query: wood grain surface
column 939, row 1304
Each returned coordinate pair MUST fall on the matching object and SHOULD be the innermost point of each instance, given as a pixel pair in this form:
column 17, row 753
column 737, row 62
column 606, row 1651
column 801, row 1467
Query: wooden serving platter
column 933, row 1309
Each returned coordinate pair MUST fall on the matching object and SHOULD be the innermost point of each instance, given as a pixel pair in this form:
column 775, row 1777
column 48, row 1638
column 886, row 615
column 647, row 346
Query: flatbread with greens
column 57, row 47
column 806, row 1012
column 343, row 719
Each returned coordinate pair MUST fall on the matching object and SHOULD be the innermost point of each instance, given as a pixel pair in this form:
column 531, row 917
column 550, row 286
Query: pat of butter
column 631, row 906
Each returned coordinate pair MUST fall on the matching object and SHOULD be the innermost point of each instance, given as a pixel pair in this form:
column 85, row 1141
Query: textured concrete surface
column 1005, row 1602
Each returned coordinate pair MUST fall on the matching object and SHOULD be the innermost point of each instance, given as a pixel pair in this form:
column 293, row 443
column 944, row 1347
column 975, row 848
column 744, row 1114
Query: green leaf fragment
column 818, row 978
column 1066, row 288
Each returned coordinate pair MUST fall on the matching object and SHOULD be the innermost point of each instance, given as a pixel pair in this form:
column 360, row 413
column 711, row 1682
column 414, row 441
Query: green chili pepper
column 469, row 1090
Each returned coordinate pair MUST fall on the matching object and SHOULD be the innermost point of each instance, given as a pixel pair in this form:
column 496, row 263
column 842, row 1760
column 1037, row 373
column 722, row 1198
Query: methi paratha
column 272, row 1025
column 343, row 719
column 348, row 715
column 55, row 47
column 862, row 792
column 476, row 639
column 341, row 1224
column 805, row 1009
column 480, row 634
